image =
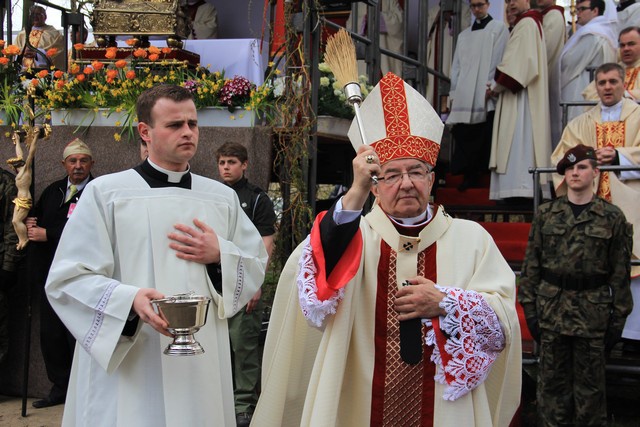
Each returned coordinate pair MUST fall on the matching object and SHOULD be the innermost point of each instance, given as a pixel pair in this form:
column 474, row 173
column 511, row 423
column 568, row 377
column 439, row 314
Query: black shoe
column 243, row 419
column 47, row 402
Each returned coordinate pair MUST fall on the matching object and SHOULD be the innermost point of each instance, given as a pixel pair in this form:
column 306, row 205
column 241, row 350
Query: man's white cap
column 76, row 147
column 399, row 123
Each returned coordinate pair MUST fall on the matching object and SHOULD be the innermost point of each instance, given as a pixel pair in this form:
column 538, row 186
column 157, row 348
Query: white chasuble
column 331, row 376
column 115, row 243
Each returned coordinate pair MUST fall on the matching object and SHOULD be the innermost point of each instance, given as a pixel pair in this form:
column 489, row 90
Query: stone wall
column 110, row 156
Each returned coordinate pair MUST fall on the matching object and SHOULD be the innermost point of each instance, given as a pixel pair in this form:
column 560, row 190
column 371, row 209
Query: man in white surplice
column 478, row 51
column 592, row 45
column 138, row 235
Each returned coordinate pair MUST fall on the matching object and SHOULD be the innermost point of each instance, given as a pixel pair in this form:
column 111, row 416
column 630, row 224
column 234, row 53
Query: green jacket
column 594, row 249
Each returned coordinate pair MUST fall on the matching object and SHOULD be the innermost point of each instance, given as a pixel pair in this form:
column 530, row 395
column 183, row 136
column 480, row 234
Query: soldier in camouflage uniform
column 9, row 254
column 575, row 293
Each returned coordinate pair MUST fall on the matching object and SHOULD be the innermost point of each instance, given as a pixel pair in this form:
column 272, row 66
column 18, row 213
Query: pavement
column 11, row 414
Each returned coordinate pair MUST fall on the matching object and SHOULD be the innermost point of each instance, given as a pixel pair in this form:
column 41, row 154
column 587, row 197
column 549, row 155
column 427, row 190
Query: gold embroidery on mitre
column 608, row 134
column 406, row 146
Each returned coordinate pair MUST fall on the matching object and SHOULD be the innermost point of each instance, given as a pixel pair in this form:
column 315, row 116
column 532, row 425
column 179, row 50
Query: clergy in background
column 43, row 37
column 554, row 28
column 153, row 231
column 521, row 133
column 629, row 53
column 371, row 313
column 592, row 45
column 613, row 128
column 478, row 51
column 628, row 14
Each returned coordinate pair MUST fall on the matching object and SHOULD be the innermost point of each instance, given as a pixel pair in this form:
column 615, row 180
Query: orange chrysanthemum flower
column 131, row 42
column 112, row 74
column 140, row 53
column 2, row 42
column 121, row 63
column 154, row 50
column 81, row 77
column 78, row 46
column 166, row 50
column 58, row 74
column 34, row 82
column 154, row 57
column 111, row 52
column 130, row 75
column 4, row 60
column 60, row 84
column 52, row 52
column 43, row 73
column 11, row 50
column 74, row 68
column 97, row 65
column 88, row 70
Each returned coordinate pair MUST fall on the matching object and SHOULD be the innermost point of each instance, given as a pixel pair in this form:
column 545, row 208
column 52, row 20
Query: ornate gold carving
column 139, row 18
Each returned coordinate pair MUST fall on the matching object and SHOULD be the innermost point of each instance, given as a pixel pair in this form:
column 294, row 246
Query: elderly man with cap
column 575, row 293
column 371, row 313
column 612, row 128
column 44, row 227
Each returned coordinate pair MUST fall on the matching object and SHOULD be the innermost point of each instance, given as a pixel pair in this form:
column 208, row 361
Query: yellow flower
column 117, row 136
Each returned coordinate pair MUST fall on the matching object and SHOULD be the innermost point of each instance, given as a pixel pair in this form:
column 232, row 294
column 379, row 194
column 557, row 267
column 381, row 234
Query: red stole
column 402, row 394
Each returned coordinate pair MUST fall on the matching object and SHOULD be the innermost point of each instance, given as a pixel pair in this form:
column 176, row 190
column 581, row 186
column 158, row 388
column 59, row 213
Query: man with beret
column 575, row 293
column 44, row 227
column 371, row 312
column 612, row 129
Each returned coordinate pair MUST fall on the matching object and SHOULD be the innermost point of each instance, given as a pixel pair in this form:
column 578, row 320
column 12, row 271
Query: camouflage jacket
column 9, row 255
column 595, row 245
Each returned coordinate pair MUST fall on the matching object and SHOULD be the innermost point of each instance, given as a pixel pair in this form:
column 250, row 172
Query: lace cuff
column 314, row 310
column 475, row 340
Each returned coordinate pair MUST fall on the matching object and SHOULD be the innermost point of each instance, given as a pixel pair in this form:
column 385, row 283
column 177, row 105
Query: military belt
column 575, row 283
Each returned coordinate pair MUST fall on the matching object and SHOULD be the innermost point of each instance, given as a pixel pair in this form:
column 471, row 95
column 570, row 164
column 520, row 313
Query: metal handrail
column 537, row 191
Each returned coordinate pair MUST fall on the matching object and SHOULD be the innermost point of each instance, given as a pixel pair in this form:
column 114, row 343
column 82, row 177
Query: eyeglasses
column 477, row 5
column 392, row 178
column 583, row 8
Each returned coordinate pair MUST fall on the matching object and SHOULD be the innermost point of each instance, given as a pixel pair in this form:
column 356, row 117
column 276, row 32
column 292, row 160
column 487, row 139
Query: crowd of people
column 398, row 316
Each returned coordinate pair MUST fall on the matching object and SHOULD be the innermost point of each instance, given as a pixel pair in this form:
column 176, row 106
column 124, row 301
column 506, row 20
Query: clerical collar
column 479, row 24
column 415, row 221
column 172, row 176
column 158, row 177
column 612, row 113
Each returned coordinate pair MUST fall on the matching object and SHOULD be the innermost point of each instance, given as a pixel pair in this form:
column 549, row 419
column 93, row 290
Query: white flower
column 336, row 87
column 324, row 81
column 323, row 67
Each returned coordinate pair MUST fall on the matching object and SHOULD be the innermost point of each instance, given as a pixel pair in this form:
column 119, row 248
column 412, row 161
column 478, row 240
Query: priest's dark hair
column 610, row 66
column 147, row 99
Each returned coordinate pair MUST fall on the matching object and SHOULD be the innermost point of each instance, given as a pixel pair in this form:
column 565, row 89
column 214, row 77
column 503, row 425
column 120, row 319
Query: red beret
column 576, row 154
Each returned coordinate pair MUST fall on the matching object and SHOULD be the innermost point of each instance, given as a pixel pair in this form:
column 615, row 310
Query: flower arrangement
column 115, row 86
column 11, row 93
column 331, row 98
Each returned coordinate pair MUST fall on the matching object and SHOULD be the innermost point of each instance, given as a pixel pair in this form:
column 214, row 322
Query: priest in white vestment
column 391, row 33
column 142, row 234
column 521, row 133
column 629, row 52
column 478, row 51
column 592, row 45
column 613, row 129
column 554, row 28
column 440, row 42
column 404, row 317
column 628, row 14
